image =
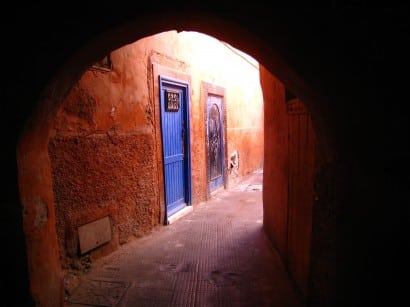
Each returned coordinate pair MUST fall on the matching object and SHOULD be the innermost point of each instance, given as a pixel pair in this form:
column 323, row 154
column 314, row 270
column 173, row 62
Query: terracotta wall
column 103, row 143
column 276, row 168
column 289, row 176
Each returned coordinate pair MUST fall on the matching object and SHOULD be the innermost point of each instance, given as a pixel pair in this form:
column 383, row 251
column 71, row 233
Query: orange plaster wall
column 289, row 174
column 35, row 186
column 276, row 168
column 102, row 161
column 217, row 63
column 104, row 140
column 245, row 125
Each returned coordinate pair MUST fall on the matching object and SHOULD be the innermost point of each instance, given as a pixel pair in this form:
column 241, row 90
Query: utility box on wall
column 94, row 234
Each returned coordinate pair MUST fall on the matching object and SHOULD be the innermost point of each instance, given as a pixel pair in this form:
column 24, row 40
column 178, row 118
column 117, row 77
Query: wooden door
column 302, row 144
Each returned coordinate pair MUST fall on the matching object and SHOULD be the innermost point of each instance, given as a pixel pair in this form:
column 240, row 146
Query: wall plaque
column 171, row 101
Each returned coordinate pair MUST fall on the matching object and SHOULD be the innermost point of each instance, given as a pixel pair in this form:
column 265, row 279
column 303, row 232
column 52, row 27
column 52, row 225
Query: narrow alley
column 216, row 255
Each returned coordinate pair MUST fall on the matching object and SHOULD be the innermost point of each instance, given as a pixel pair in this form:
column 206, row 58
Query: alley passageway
column 216, row 255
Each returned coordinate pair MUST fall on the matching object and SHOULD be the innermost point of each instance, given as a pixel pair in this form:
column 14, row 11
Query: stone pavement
column 216, row 255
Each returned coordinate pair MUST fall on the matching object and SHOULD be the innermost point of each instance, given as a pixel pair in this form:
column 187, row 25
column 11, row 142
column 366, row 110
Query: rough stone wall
column 102, row 158
column 103, row 175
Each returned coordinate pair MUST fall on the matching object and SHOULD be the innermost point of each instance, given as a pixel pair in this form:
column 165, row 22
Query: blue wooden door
column 175, row 144
column 215, row 141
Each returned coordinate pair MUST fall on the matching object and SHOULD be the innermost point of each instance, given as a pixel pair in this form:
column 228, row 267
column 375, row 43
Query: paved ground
column 216, row 255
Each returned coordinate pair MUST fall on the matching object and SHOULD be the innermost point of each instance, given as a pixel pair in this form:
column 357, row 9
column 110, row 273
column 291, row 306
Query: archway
column 37, row 196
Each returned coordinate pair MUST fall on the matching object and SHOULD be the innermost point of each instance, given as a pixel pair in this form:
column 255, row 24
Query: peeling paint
column 41, row 213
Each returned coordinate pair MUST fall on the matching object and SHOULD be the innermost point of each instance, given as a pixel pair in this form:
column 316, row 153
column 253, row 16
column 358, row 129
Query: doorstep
column 177, row 215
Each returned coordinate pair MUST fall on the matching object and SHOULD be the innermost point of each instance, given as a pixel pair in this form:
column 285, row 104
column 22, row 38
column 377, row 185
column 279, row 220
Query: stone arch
column 34, row 170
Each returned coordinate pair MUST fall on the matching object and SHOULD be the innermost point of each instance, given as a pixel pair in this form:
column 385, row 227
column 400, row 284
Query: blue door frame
column 174, row 100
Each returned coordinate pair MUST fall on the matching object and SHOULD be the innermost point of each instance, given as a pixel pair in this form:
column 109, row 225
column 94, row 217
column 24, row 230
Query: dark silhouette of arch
column 48, row 47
